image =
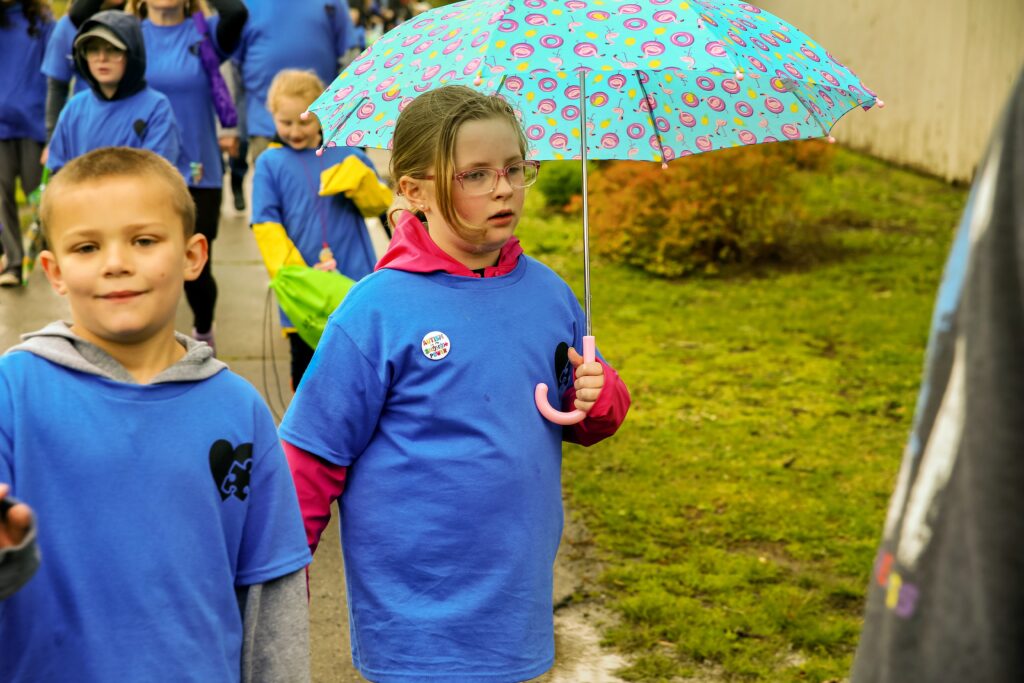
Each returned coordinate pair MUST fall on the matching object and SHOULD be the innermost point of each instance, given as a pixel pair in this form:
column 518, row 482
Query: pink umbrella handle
column 540, row 394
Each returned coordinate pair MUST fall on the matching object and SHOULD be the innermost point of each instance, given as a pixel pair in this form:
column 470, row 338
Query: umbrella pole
column 586, row 212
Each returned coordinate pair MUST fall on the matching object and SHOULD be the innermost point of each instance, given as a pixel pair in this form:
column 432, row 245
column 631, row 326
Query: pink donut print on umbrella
column 617, row 80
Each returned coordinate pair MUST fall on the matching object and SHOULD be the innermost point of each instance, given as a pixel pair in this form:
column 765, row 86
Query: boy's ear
column 48, row 261
column 196, row 253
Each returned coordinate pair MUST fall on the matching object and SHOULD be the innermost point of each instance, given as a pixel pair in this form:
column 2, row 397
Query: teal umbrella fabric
column 661, row 79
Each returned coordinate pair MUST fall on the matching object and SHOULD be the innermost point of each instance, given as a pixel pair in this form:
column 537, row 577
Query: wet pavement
column 249, row 340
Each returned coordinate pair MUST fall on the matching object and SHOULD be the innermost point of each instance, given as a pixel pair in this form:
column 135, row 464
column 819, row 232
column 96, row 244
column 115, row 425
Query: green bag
column 308, row 296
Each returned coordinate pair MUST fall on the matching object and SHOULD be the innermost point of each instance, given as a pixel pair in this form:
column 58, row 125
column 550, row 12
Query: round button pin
column 436, row 345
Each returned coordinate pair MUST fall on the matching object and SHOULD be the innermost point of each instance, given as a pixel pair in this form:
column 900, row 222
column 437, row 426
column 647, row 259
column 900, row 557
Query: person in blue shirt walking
column 119, row 110
column 172, row 36
column 307, row 209
column 25, row 28
column 299, row 34
column 171, row 542
column 59, row 68
column 417, row 413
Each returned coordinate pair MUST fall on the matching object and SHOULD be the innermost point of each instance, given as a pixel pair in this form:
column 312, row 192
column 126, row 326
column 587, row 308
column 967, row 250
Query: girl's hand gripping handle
column 540, row 394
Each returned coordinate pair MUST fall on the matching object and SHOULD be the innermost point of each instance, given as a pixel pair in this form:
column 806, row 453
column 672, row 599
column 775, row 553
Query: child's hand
column 589, row 380
column 328, row 265
column 14, row 523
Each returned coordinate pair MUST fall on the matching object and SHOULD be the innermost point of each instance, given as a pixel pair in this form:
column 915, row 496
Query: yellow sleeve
column 358, row 182
column 276, row 247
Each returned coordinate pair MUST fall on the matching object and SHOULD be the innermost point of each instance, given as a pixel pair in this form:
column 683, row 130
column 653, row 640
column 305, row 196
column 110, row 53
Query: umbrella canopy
column 662, row 80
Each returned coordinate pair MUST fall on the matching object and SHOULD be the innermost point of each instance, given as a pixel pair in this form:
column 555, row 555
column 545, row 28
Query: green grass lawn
column 738, row 509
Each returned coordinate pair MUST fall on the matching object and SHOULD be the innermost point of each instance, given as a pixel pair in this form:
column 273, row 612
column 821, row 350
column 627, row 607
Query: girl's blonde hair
column 139, row 9
column 425, row 134
column 297, row 83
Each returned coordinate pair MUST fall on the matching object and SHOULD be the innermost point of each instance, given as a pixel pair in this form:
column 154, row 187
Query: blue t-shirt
column 452, row 511
column 144, row 120
column 285, row 190
column 302, row 34
column 22, row 85
column 59, row 62
column 173, row 68
column 154, row 502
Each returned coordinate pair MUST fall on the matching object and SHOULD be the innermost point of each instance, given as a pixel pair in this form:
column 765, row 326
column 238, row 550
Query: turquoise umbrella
column 651, row 80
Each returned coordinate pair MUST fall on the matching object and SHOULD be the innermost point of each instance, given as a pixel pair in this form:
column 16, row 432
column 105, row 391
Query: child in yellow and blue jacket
column 308, row 209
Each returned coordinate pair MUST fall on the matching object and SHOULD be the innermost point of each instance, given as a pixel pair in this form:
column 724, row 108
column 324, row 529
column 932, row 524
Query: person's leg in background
column 258, row 145
column 201, row 293
column 19, row 158
column 302, row 354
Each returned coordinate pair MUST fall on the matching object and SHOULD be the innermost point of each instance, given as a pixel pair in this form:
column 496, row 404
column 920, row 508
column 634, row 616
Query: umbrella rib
column 792, row 87
column 650, row 115
column 337, row 126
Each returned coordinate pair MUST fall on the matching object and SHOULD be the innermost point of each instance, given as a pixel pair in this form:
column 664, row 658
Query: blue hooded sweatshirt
column 135, row 116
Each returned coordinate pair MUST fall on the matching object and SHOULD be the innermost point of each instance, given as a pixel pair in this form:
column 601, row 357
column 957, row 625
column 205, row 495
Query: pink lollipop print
column 716, row 103
column 364, row 67
column 790, row 130
column 599, row 99
column 472, row 65
column 750, row 8
column 481, row 39
column 687, row 119
column 809, row 53
column 630, row 9
column 394, row 59
column 355, row 138
column 406, row 101
column 770, row 39
column 704, row 143
column 793, row 71
column 572, row 92
column 586, row 50
column 682, row 39
column 758, row 64
column 514, row 83
column 827, row 75
column 730, row 86
column 617, row 81
column 575, row 5
column 826, row 98
column 609, row 141
column 690, row 100
column 385, row 84
column 665, row 16
column 773, row 105
column 536, row 20
column 508, row 25
column 451, row 47
column 652, row 48
column 715, row 48
column 546, row 106
column 343, row 93
column 747, row 138
column 392, row 94
column 535, row 4
column 430, row 72
column 736, row 39
column 366, row 111
column 782, row 37
column 598, row 15
column 559, row 141
column 422, row 47
column 760, row 45
column 409, row 40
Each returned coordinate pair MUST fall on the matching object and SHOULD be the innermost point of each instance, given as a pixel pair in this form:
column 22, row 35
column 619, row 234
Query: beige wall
column 944, row 69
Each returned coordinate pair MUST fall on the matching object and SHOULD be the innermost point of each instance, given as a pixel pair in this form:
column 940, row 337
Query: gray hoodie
column 275, row 614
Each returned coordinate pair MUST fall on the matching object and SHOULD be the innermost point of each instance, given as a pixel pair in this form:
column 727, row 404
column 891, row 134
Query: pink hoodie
column 319, row 482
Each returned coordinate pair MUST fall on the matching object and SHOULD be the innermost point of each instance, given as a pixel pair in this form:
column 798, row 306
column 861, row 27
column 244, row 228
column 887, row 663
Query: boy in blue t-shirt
column 171, row 540
column 119, row 110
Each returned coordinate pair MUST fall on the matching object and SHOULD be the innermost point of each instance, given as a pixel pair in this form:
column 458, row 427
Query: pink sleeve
column 318, row 483
column 607, row 414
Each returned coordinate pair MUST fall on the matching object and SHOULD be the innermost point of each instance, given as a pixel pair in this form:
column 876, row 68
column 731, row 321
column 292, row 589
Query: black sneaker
column 239, row 195
column 11, row 278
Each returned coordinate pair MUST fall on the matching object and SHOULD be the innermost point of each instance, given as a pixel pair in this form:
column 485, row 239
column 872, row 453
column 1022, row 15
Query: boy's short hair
column 109, row 162
column 303, row 85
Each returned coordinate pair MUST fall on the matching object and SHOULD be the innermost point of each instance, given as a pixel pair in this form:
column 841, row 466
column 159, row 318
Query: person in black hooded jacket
column 119, row 109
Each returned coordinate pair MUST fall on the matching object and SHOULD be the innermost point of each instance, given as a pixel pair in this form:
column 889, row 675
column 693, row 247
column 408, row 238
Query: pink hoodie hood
column 413, row 251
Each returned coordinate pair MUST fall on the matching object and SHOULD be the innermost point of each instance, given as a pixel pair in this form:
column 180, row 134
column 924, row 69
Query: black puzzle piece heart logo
column 139, row 126
column 231, row 468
